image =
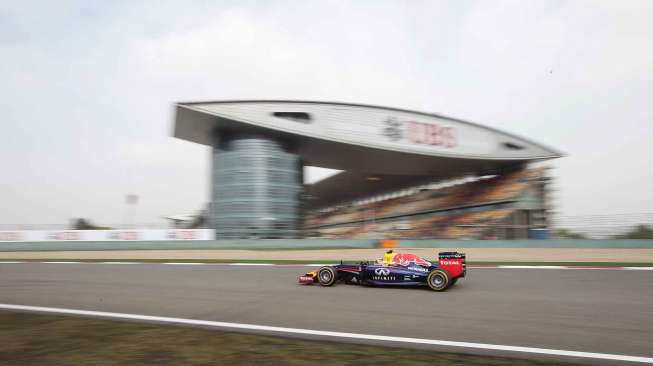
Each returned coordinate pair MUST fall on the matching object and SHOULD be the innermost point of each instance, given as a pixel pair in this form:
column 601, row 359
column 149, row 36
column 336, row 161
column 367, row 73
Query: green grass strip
column 36, row 339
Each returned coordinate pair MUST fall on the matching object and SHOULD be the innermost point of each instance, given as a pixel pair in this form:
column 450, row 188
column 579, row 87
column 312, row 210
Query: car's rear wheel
column 437, row 280
column 327, row 276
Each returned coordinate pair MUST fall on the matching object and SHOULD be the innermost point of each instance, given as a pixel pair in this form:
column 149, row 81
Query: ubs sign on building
column 260, row 147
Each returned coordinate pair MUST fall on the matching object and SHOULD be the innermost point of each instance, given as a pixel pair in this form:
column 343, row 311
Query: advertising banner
column 105, row 235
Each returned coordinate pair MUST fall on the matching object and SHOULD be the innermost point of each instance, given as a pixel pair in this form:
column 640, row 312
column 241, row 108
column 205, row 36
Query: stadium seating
column 461, row 211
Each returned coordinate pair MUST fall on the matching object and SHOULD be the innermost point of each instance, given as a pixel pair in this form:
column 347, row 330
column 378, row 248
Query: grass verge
column 321, row 261
column 37, row 339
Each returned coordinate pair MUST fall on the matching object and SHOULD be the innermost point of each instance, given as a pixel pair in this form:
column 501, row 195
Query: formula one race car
column 395, row 269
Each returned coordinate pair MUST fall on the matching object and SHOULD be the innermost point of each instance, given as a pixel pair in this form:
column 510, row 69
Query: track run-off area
column 583, row 315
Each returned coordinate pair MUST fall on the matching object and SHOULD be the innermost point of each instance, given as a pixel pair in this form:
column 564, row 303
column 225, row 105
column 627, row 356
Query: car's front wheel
column 437, row 280
column 327, row 276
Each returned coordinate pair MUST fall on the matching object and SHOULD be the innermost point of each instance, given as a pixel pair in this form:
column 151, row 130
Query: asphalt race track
column 603, row 311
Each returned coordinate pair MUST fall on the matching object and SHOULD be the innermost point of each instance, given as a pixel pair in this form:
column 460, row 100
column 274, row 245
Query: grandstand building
column 405, row 174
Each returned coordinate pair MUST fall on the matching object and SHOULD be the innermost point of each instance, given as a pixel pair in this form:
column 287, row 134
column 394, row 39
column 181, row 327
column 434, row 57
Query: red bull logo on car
column 406, row 259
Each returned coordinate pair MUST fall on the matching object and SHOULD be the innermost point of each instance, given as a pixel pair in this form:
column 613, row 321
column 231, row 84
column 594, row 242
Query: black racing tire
column 438, row 280
column 327, row 276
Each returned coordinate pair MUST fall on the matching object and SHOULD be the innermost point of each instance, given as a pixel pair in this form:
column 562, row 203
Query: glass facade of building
column 256, row 187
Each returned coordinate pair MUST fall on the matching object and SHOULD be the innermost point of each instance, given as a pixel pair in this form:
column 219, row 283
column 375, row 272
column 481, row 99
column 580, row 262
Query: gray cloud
column 87, row 89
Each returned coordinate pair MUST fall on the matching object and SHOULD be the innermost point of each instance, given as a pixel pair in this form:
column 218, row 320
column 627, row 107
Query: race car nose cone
column 304, row 280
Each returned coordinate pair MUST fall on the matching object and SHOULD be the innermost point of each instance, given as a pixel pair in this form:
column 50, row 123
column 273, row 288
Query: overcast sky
column 86, row 89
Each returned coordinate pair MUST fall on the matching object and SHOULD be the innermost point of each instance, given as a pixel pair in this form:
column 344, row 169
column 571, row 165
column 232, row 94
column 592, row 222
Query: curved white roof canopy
column 364, row 140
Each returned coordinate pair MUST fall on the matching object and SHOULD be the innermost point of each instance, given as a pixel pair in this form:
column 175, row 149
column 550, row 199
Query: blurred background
column 88, row 89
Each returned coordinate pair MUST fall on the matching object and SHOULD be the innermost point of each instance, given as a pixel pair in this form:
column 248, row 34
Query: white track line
column 117, row 262
column 251, row 264
column 639, row 268
column 531, row 267
column 52, row 262
column 186, row 263
column 265, row 328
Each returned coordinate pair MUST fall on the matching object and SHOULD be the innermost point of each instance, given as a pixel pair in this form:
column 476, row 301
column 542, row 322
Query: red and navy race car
column 396, row 269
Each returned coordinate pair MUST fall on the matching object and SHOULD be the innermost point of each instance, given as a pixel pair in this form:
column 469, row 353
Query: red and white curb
column 324, row 264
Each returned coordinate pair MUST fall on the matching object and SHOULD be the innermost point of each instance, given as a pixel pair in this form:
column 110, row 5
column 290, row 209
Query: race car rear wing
column 454, row 263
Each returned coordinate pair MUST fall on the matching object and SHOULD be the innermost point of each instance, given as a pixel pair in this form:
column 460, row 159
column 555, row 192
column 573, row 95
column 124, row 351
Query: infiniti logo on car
column 382, row 271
